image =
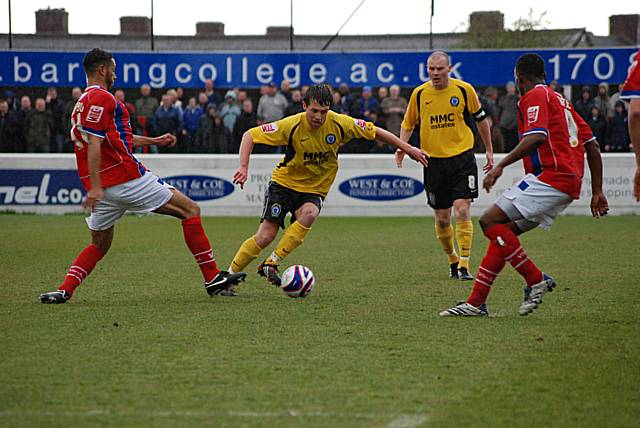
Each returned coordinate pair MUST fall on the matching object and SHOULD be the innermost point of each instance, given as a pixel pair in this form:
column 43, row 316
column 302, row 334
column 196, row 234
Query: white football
column 297, row 281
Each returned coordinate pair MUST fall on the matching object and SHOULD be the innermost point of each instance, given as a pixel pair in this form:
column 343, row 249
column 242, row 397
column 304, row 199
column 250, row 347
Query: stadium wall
column 366, row 185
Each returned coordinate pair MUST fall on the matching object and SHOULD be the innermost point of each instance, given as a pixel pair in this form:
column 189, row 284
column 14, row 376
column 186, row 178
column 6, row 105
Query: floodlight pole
column 151, row 32
column 431, row 27
column 291, row 28
column 10, row 33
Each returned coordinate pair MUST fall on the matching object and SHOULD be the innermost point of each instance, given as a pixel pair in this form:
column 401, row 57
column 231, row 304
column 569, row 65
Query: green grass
column 141, row 344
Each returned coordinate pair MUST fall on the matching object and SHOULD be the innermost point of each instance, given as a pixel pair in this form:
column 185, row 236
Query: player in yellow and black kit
column 302, row 179
column 448, row 110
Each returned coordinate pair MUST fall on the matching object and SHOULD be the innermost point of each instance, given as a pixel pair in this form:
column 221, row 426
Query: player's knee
column 485, row 221
column 443, row 223
column 308, row 214
column 191, row 209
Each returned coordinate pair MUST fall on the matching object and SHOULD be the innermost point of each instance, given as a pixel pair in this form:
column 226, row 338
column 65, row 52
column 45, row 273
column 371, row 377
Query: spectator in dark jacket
column 38, row 126
column 247, row 120
column 18, row 124
column 56, row 107
column 618, row 139
column 6, row 140
column 584, row 103
column 191, row 117
column 167, row 119
column 66, row 118
column 295, row 106
column 212, row 136
column 598, row 125
column 365, row 104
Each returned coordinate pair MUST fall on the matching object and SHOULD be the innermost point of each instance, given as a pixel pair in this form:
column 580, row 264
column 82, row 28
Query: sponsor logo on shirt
column 381, row 187
column 268, row 128
column 94, row 114
column 360, row 123
column 315, row 158
column 532, row 114
column 437, row 121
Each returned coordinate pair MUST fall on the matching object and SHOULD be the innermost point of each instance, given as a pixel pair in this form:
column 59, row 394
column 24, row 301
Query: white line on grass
column 398, row 420
column 407, row 421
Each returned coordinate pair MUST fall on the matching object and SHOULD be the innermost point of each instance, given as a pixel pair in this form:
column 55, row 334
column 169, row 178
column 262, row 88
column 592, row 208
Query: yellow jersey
column 445, row 116
column 310, row 163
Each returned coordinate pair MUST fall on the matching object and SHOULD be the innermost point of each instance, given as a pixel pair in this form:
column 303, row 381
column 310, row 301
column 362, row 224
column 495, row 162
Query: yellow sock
column 292, row 238
column 464, row 236
column 445, row 236
column 247, row 252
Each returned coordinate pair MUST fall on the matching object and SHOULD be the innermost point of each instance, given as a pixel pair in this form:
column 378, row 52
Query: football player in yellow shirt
column 447, row 110
column 302, row 179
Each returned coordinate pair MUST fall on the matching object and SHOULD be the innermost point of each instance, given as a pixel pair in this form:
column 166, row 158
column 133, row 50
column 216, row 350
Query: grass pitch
column 141, row 344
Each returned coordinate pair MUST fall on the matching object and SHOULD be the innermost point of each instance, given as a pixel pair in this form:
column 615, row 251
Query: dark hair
column 531, row 65
column 321, row 94
column 94, row 58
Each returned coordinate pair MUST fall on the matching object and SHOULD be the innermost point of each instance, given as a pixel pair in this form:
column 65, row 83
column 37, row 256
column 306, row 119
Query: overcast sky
column 312, row 16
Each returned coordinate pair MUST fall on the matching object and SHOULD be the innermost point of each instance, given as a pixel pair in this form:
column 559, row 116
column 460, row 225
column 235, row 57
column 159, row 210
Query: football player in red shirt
column 116, row 182
column 631, row 92
column 552, row 146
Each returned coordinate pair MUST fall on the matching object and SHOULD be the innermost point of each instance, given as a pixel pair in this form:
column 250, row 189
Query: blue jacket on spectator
column 167, row 120
column 191, row 118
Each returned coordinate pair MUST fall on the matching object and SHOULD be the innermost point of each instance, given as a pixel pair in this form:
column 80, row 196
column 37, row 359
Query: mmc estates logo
column 201, row 187
column 381, row 187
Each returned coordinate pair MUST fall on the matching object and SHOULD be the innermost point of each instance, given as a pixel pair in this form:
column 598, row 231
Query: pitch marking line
column 398, row 420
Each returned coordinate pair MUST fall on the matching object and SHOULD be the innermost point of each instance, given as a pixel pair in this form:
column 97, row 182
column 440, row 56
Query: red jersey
column 579, row 133
column 542, row 111
column 631, row 88
column 99, row 113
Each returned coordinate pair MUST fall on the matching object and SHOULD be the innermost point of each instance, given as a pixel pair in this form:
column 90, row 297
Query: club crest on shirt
column 454, row 101
column 330, row 139
column 267, row 128
column 360, row 123
column 94, row 114
column 532, row 114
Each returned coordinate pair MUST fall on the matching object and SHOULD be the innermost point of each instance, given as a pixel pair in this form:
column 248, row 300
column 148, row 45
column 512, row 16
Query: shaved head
column 440, row 54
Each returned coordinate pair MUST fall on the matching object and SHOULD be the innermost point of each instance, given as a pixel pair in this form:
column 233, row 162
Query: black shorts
column 280, row 200
column 448, row 179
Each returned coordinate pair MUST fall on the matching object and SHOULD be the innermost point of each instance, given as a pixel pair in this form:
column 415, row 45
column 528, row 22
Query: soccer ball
column 297, row 281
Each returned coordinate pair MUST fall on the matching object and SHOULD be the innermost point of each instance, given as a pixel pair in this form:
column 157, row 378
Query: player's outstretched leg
column 81, row 268
column 292, row 238
column 490, row 267
column 196, row 239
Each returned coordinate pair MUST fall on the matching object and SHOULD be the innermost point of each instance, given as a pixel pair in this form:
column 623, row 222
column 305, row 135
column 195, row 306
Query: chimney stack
column 209, row 29
column 625, row 27
column 486, row 22
column 135, row 26
column 52, row 21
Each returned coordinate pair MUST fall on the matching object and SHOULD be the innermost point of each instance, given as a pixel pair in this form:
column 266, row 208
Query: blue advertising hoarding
column 252, row 69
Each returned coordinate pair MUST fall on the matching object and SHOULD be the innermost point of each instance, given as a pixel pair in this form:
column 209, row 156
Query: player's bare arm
column 165, row 140
column 384, row 136
column 484, row 129
column 246, row 147
column 96, row 193
column 527, row 145
column 599, row 204
column 634, row 133
column 404, row 136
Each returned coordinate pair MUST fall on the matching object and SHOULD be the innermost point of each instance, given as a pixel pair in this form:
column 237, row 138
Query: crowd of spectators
column 213, row 121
